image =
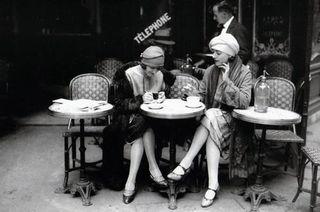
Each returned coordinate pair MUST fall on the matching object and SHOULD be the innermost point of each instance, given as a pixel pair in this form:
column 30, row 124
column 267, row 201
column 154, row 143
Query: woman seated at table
column 225, row 85
column 133, row 87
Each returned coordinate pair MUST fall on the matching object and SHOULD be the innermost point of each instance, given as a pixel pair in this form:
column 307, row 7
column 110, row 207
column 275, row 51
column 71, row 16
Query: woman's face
column 219, row 57
column 151, row 71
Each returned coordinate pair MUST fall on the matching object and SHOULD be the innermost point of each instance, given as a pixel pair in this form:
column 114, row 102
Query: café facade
column 48, row 42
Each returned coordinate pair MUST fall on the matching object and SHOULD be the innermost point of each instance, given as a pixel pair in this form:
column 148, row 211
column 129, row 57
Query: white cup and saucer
column 158, row 98
column 193, row 102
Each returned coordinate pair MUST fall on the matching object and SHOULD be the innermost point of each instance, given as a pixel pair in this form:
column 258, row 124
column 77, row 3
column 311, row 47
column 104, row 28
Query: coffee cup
column 155, row 95
column 193, row 100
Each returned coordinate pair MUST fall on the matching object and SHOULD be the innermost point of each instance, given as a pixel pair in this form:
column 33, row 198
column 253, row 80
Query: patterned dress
column 221, row 97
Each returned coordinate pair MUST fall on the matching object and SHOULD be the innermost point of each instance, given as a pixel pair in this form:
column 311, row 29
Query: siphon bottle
column 261, row 95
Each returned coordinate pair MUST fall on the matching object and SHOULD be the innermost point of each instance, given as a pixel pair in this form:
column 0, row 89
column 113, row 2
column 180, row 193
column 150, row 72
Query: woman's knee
column 137, row 143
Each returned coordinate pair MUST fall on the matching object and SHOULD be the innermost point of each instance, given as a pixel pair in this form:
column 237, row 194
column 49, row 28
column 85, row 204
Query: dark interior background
column 48, row 42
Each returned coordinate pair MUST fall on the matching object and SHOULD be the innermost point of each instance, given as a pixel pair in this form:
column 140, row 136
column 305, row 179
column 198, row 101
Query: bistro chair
column 280, row 68
column 312, row 155
column 282, row 95
column 108, row 67
column 177, row 90
column 91, row 86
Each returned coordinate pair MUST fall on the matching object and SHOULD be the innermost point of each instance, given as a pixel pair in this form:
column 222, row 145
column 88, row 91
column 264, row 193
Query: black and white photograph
column 159, row 105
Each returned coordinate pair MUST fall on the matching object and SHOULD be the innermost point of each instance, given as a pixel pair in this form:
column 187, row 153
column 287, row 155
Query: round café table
column 71, row 111
column 172, row 109
column 273, row 116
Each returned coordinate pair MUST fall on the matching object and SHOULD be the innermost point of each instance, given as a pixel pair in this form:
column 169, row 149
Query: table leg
column 84, row 187
column 172, row 184
column 258, row 191
column 174, row 187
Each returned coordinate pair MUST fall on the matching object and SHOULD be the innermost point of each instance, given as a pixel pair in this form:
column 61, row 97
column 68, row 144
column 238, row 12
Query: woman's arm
column 237, row 96
column 124, row 100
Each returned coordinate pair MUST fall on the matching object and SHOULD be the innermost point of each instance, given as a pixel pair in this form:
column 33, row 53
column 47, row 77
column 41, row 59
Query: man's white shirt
column 226, row 25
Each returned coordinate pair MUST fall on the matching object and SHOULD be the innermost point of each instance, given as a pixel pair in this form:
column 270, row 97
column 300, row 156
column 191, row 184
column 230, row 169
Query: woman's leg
column 149, row 146
column 213, row 155
column 200, row 137
column 135, row 160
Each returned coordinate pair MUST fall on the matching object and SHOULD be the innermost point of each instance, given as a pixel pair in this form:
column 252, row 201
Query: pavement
column 31, row 156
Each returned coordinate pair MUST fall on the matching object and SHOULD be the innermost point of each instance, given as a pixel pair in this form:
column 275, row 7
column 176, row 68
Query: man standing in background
column 223, row 14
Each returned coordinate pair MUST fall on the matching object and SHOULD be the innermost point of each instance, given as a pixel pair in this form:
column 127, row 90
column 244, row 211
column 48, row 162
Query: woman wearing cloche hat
column 226, row 85
column 134, row 86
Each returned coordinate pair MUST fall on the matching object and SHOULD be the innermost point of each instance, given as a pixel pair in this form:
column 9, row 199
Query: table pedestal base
column 257, row 193
column 84, row 188
column 174, row 189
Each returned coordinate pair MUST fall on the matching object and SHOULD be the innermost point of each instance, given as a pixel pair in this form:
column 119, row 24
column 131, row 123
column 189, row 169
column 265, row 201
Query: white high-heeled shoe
column 208, row 202
column 176, row 177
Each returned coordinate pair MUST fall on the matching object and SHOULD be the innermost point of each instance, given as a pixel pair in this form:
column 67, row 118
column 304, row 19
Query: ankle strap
column 184, row 169
column 215, row 190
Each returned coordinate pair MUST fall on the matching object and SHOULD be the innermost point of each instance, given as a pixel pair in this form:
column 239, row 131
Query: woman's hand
column 147, row 97
column 161, row 97
column 225, row 73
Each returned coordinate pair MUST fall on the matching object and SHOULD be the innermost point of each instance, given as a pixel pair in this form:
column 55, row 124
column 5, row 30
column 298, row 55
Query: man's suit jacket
column 243, row 38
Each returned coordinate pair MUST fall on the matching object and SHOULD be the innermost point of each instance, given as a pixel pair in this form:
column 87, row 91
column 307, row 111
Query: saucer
column 155, row 106
column 194, row 105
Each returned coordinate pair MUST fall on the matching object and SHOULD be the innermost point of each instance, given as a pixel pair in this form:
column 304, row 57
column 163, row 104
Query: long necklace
column 149, row 84
column 145, row 85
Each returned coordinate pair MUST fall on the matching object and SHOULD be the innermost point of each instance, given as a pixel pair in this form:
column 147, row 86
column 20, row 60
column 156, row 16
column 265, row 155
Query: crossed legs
column 213, row 154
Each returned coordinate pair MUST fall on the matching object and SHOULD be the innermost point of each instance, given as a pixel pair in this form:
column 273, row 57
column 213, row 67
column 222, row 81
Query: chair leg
column 158, row 152
column 314, row 187
column 66, row 162
column 287, row 155
column 300, row 176
column 300, row 155
column 74, row 151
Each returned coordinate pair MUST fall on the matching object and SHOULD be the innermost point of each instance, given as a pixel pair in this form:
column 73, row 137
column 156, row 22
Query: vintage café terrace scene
column 159, row 105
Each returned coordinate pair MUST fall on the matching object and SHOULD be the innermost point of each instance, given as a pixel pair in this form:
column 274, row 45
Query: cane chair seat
column 280, row 135
column 108, row 67
column 312, row 153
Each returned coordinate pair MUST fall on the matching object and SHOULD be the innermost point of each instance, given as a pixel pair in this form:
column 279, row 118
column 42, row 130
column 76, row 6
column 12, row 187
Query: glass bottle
column 187, row 68
column 261, row 95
